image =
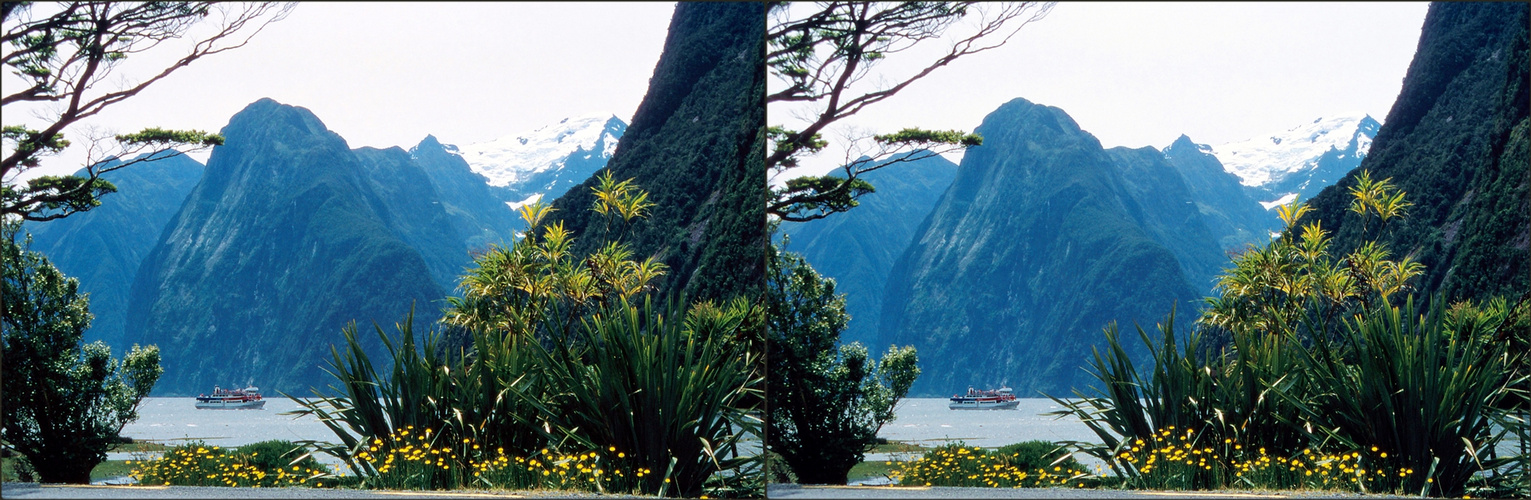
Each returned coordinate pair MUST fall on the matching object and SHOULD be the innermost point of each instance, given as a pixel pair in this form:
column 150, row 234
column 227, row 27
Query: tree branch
column 823, row 55
column 68, row 53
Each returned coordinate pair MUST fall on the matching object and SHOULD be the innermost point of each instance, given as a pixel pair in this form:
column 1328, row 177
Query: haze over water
column 176, row 420
column 928, row 422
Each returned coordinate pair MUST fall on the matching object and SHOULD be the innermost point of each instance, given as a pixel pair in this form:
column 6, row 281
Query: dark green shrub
column 1036, row 455
column 1419, row 387
column 278, row 454
column 198, row 464
column 958, row 464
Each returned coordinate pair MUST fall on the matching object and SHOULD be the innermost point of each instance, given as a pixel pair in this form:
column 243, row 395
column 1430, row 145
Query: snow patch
column 1285, row 199
column 1271, row 158
column 516, row 205
column 509, row 159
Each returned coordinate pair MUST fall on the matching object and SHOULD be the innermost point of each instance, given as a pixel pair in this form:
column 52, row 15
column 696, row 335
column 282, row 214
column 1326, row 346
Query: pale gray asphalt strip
column 793, row 491
column 775, row 491
column 34, row 491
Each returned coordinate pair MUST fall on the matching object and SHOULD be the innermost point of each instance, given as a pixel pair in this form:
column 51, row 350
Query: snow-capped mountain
column 1300, row 161
column 548, row 161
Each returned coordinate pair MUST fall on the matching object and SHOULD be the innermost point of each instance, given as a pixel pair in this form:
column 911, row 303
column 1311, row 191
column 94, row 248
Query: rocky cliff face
column 1456, row 143
column 284, row 241
column 858, row 248
column 696, row 144
column 1235, row 219
column 1037, row 245
column 1164, row 206
column 479, row 211
column 103, row 247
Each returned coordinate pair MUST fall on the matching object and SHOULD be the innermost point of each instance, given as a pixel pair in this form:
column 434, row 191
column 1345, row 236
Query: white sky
column 1141, row 74
column 388, row 74
column 1132, row 74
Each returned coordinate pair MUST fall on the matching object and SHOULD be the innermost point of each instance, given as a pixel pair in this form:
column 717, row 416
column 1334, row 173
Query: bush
column 278, row 454
column 1038, row 454
column 197, row 464
column 65, row 401
column 960, row 465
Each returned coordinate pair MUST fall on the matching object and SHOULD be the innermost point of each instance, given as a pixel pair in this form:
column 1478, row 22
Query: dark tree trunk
column 71, row 470
column 823, row 470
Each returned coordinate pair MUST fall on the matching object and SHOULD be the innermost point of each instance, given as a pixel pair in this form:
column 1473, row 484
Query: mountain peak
column 264, row 102
column 1184, row 143
column 1019, row 102
column 268, row 105
column 1023, row 116
column 514, row 158
column 432, row 145
column 1272, row 158
column 266, row 113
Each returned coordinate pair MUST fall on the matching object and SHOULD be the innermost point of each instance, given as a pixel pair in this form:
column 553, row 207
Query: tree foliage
column 514, row 289
column 66, row 53
column 65, row 403
column 826, row 404
column 822, row 54
column 1272, row 289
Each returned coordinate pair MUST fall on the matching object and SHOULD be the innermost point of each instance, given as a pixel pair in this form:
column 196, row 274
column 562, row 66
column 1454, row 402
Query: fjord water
column 928, row 422
column 923, row 421
column 173, row 421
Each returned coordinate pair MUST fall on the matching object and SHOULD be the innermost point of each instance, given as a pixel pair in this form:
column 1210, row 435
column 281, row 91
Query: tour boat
column 1002, row 399
column 231, row 399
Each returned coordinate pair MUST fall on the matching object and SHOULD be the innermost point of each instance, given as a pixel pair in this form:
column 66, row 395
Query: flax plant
column 563, row 362
column 1311, row 354
column 668, row 386
column 1422, row 388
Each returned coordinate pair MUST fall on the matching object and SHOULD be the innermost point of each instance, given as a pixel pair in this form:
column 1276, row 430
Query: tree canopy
column 65, row 403
column 826, row 404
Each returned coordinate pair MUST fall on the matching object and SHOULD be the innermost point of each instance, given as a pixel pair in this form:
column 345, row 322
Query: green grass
column 898, row 447
column 7, row 472
column 140, row 447
column 878, row 468
column 110, row 469
column 869, row 470
column 106, row 470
